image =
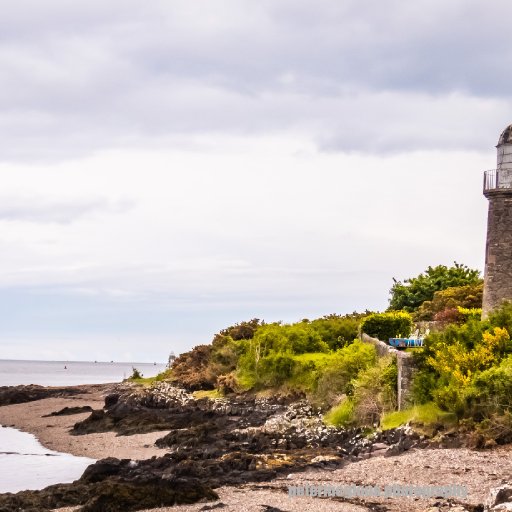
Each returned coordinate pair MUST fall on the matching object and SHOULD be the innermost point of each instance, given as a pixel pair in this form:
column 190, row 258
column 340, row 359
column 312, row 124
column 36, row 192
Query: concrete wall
column 498, row 258
column 404, row 363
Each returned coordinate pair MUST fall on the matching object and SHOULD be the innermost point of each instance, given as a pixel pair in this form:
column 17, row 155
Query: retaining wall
column 405, row 364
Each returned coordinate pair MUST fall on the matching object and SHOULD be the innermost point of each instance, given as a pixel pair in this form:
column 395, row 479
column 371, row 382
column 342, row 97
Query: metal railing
column 497, row 179
column 491, row 180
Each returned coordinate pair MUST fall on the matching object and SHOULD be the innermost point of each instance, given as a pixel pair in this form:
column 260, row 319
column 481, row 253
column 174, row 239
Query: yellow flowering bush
column 456, row 361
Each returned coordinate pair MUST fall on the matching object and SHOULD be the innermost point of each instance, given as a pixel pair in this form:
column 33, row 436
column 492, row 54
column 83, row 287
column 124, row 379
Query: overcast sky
column 169, row 168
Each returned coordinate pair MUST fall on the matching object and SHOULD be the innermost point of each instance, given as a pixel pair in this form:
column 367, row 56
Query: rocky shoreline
column 206, row 445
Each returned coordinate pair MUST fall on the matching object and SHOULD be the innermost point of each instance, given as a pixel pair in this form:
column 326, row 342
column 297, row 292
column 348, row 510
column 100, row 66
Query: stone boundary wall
column 405, row 364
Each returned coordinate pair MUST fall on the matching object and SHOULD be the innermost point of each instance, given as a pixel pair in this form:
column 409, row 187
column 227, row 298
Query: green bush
column 491, row 391
column 341, row 369
column 467, row 369
column 451, row 397
column 342, row 415
column 423, row 384
column 413, row 292
column 274, row 369
column 502, row 317
column 387, row 325
column 373, row 393
column 336, row 330
column 136, row 374
column 468, row 296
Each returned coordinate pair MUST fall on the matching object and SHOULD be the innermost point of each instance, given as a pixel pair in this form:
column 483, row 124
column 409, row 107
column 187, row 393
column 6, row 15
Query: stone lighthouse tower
column 498, row 256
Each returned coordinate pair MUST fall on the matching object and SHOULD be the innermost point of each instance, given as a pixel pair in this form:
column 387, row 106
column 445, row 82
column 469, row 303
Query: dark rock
column 111, row 400
column 21, row 394
column 68, row 411
column 211, row 443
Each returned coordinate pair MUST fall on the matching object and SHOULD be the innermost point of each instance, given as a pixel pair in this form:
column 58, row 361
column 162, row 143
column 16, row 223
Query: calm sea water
column 24, row 463
column 69, row 373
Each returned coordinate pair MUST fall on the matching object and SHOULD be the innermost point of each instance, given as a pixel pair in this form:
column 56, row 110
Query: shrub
column 502, row 317
column 192, row 369
column 136, row 373
column 387, row 325
column 468, row 296
column 423, row 384
column 375, row 392
column 491, row 391
column 341, row 415
column 274, row 369
column 413, row 292
column 449, row 316
column 496, row 429
column 337, row 375
column 337, row 331
column 457, row 362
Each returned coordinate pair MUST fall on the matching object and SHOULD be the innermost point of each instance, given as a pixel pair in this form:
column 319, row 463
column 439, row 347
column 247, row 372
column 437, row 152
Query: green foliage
column 342, row 415
column 423, row 384
column 292, row 338
column 467, row 369
column 455, row 297
column 337, row 374
column 240, row 331
column 373, row 392
column 336, row 330
column 413, row 292
column 323, row 375
column 502, row 317
column 491, row 391
column 136, row 374
column 387, row 325
column 457, row 362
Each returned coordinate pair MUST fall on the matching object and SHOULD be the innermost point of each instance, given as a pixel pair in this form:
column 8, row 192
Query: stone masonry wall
column 498, row 257
column 404, row 363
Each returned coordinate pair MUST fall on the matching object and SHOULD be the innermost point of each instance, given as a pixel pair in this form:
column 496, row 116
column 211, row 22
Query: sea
column 24, row 462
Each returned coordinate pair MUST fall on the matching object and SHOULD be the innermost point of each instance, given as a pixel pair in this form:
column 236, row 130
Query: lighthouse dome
column 506, row 136
column 504, row 148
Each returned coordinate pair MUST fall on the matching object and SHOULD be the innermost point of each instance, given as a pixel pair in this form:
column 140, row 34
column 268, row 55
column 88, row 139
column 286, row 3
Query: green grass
column 144, row 381
column 340, row 415
column 148, row 381
column 427, row 413
column 211, row 394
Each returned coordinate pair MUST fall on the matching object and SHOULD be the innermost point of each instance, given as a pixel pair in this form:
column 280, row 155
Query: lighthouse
column 498, row 254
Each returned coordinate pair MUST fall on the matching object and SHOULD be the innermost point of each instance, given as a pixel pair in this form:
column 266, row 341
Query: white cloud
column 168, row 168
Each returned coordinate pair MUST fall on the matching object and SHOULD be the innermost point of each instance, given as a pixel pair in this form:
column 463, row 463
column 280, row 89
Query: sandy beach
column 479, row 471
column 53, row 432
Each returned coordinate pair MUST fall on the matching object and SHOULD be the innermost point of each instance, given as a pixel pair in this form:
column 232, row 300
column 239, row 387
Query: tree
column 413, row 292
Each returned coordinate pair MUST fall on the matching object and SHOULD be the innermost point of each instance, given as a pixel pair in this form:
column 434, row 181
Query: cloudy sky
column 171, row 167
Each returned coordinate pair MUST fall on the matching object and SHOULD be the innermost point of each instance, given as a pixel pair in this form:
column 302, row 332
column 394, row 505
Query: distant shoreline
column 70, row 373
column 80, row 361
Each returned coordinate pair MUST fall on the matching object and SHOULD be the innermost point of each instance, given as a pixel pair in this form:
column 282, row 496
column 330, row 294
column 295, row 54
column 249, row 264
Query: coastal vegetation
column 464, row 369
